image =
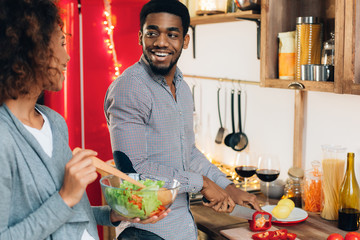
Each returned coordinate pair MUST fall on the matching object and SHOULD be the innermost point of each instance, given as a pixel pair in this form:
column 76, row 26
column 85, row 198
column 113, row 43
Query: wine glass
column 268, row 170
column 245, row 166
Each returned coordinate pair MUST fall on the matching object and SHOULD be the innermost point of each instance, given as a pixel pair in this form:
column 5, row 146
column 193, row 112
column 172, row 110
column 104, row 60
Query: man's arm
column 128, row 108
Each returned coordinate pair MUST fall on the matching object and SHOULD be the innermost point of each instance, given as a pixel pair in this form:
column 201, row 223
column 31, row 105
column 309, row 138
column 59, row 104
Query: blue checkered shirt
column 156, row 132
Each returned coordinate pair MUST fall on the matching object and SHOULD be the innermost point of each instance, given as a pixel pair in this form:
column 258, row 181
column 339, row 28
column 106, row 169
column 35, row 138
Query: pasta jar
column 308, row 41
column 333, row 166
column 312, row 191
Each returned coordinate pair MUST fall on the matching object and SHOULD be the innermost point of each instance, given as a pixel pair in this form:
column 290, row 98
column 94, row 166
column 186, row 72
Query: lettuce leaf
column 120, row 199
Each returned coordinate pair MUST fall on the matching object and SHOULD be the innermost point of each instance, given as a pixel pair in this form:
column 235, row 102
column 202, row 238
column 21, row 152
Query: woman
column 42, row 183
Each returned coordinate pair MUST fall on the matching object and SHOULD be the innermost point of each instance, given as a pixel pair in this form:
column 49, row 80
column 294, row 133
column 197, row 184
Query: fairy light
column 109, row 29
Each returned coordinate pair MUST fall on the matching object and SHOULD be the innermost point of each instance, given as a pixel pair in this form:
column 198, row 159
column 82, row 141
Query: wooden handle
column 101, row 165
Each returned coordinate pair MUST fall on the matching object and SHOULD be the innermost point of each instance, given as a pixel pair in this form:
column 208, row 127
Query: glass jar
column 308, row 42
column 328, row 52
column 312, row 193
column 333, row 165
column 293, row 184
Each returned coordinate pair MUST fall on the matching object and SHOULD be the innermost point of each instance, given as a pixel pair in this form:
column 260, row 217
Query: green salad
column 132, row 202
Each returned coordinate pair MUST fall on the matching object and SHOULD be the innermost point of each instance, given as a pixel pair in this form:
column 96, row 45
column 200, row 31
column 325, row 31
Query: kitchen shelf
column 226, row 17
column 308, row 85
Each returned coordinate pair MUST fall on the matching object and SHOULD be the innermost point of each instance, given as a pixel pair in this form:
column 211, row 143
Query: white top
column 45, row 139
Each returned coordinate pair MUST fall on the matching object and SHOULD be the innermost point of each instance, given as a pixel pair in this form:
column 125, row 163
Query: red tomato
column 352, row 236
column 335, row 236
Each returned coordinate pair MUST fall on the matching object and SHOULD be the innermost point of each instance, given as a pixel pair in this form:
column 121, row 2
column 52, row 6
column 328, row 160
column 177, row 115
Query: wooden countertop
column 211, row 223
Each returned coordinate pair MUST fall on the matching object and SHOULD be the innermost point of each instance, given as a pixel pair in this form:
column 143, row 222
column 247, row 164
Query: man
column 149, row 113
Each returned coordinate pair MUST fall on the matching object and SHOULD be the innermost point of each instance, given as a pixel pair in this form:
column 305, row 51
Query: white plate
column 297, row 215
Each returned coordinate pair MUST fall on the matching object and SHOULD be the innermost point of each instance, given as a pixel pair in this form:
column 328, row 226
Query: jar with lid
column 292, row 188
column 308, row 42
column 328, row 52
column 312, row 193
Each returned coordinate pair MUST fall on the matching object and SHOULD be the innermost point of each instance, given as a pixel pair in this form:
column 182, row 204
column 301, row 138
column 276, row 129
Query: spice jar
column 328, row 52
column 292, row 188
column 312, row 193
column 308, row 42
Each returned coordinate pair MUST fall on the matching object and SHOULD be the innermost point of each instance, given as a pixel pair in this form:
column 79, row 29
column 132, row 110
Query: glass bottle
column 349, row 206
column 328, row 51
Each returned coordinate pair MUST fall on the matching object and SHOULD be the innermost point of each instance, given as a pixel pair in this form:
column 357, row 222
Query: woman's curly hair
column 26, row 27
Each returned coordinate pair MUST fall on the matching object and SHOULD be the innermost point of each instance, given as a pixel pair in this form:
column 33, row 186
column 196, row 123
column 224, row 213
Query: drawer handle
column 296, row 85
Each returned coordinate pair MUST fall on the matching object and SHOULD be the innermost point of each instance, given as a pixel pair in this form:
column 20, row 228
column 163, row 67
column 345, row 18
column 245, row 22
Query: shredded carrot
column 312, row 193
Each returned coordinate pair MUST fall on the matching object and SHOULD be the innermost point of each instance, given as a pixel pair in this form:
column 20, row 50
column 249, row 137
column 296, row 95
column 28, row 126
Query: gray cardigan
column 30, row 204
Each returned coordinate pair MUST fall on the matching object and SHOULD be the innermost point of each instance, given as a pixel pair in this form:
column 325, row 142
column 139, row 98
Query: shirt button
column 180, row 112
column 182, row 137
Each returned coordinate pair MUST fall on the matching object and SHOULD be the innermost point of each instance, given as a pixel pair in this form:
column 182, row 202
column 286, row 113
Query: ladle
column 229, row 136
column 239, row 140
column 220, row 133
column 164, row 195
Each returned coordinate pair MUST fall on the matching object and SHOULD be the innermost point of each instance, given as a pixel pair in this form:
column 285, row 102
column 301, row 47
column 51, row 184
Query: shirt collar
column 157, row 77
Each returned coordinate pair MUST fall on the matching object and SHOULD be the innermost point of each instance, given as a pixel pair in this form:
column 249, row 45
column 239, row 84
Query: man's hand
column 219, row 199
column 114, row 217
column 241, row 197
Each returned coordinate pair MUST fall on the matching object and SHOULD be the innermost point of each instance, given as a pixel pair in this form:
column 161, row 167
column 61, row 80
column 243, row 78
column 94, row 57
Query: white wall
column 228, row 50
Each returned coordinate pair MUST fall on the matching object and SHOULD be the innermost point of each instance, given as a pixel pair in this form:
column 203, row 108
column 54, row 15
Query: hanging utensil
column 239, row 140
column 220, row 133
column 229, row 136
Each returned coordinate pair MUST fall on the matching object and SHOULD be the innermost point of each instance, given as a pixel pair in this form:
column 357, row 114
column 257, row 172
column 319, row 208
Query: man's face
column 162, row 41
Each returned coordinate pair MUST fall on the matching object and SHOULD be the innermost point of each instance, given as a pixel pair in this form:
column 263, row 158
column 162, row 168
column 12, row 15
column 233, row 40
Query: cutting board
column 241, row 233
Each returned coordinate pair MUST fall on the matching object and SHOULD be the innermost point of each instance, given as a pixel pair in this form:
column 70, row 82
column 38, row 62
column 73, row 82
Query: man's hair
column 26, row 28
column 169, row 6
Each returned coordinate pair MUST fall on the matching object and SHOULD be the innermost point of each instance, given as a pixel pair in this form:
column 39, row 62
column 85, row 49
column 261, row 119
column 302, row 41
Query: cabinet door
column 351, row 83
column 280, row 16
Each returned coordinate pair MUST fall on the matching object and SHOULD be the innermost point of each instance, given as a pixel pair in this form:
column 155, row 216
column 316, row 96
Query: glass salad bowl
column 130, row 201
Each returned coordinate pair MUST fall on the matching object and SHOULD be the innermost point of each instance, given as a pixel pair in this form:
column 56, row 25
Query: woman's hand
column 79, row 173
column 114, row 217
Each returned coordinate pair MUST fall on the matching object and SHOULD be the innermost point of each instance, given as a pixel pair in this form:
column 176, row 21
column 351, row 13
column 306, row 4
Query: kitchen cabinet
column 280, row 16
column 352, row 48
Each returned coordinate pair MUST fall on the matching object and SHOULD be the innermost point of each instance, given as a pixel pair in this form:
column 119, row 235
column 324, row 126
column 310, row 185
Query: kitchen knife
column 245, row 212
column 241, row 211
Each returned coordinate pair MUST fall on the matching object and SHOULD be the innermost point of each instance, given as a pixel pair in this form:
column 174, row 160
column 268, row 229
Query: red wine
column 245, row 171
column 349, row 219
column 267, row 175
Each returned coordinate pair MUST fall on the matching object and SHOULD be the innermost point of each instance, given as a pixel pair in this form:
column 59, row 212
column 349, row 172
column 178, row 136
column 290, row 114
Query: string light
column 109, row 29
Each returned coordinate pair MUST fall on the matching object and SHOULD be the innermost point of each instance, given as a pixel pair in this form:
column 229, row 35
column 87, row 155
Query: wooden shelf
column 308, row 85
column 226, row 17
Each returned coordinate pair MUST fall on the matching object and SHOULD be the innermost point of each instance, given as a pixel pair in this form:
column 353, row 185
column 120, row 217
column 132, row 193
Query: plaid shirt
column 156, row 132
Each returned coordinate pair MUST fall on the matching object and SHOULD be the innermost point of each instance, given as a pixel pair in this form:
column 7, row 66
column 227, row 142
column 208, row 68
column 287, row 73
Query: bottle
column 349, row 207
